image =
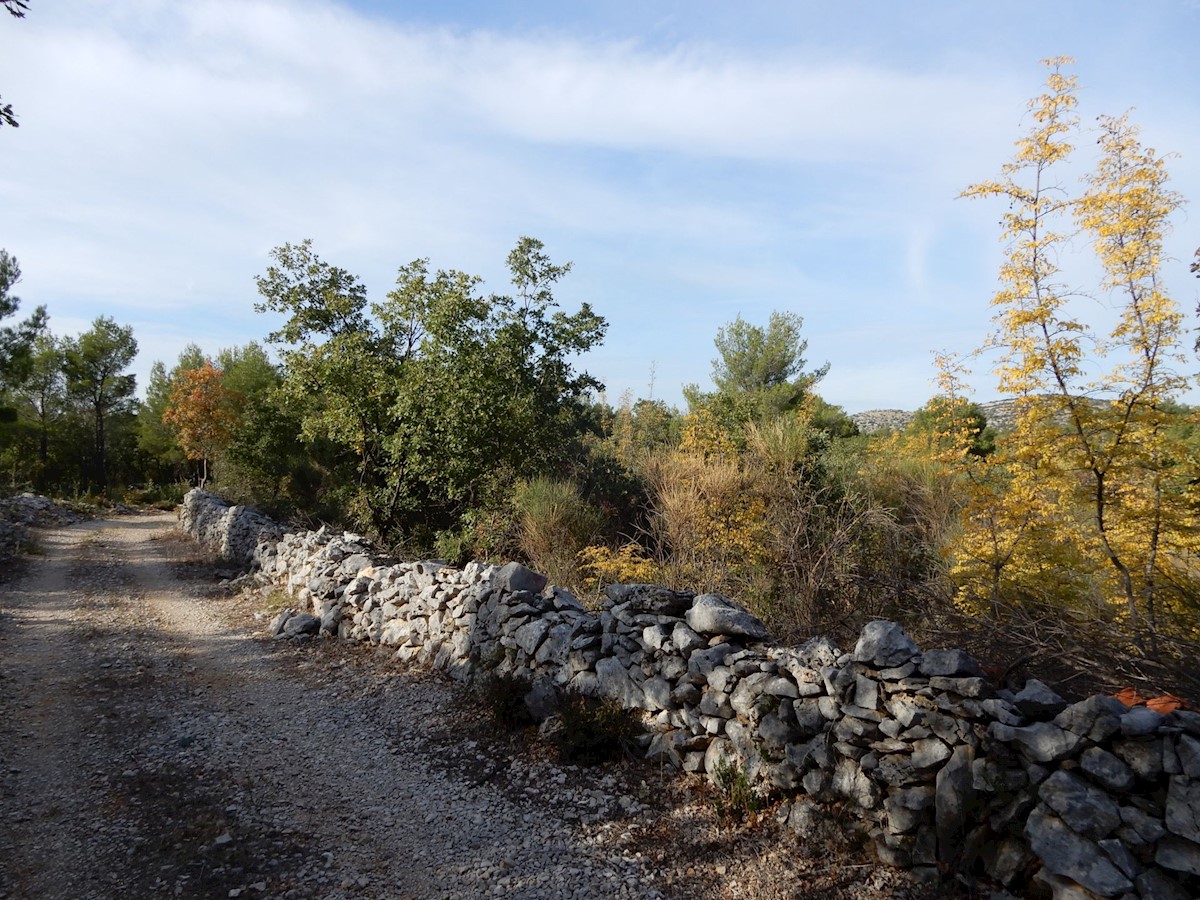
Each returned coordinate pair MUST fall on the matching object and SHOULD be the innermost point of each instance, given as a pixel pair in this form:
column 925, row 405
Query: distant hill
column 1000, row 414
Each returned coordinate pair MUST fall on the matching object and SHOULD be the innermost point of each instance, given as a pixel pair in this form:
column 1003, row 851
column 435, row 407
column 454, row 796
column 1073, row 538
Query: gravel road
column 153, row 743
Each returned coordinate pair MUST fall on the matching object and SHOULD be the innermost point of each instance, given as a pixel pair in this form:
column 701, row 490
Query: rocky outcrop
column 917, row 750
column 29, row 510
column 1000, row 414
column 872, row 420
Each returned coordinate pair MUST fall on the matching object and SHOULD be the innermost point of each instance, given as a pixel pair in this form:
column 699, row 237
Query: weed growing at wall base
column 735, row 799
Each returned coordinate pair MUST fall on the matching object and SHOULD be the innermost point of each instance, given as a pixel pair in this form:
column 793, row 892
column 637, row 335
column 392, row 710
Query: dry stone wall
column 230, row 532
column 939, row 769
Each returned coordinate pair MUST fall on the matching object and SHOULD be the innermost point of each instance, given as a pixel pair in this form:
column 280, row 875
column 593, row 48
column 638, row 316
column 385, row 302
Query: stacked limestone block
column 917, row 750
column 231, row 532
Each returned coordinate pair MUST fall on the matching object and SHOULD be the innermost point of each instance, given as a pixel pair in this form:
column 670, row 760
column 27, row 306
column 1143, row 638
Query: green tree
column 95, row 368
column 43, row 395
column 949, row 421
column 437, row 394
column 155, row 438
column 15, row 341
column 496, row 396
column 342, row 369
column 248, row 370
column 759, row 373
column 16, row 9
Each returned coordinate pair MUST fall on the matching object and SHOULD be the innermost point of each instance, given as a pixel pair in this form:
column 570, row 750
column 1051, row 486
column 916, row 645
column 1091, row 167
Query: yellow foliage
column 1085, row 503
column 709, row 514
column 627, row 564
column 704, row 435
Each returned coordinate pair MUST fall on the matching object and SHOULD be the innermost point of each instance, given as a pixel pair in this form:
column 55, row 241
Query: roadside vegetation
column 445, row 420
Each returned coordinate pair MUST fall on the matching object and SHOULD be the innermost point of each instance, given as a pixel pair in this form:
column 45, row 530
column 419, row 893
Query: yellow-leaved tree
column 1088, row 500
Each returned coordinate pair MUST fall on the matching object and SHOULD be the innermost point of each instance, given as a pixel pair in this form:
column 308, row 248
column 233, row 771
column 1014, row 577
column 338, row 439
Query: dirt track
column 153, row 743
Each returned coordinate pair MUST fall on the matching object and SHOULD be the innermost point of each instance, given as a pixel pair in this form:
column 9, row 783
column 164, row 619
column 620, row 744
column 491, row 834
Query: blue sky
column 694, row 160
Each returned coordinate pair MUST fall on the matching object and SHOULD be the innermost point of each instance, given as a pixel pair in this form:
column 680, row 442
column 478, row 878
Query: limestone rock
column 1155, row 884
column 1178, row 855
column 1073, row 856
column 850, row 782
column 1086, row 808
column 1041, row 742
column 515, row 577
column 543, row 699
column 276, row 627
column 1062, row 888
column 300, row 624
column 702, row 662
column 1183, row 808
column 613, row 682
column 1035, row 700
column 1189, row 755
column 685, row 639
column 949, row 663
column 1138, row 827
column 1096, row 718
column 1006, row 860
column 650, row 598
column 884, row 644
column 953, row 799
column 1141, row 721
column 929, row 752
column 906, row 808
column 818, row 652
column 1144, row 756
column 718, row 615
column 1107, row 769
column 1121, row 857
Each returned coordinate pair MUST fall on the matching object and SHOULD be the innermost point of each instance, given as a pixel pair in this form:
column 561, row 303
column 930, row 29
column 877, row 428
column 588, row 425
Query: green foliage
column 946, row 420
column 95, row 369
column 595, row 731
column 270, row 464
column 830, row 419
column 555, row 524
column 159, row 496
column 637, row 428
column 734, row 800
column 43, row 402
column 438, row 396
column 155, row 438
column 759, row 373
column 504, row 698
column 247, row 373
column 16, row 341
column 754, row 359
column 248, row 370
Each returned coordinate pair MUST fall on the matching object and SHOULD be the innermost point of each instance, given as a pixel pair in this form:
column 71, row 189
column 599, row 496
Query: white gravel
column 152, row 744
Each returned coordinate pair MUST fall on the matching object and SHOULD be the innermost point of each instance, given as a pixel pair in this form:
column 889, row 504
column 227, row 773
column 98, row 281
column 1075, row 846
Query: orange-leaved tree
column 204, row 414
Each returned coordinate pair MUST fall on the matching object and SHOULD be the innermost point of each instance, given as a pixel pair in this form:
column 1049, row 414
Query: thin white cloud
column 167, row 146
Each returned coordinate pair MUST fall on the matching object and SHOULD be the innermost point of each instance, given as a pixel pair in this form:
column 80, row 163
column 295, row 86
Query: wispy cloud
column 167, row 146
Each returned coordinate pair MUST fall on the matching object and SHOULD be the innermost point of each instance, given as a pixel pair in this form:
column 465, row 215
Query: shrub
column 555, row 524
column 627, row 564
column 595, row 731
column 504, row 698
column 735, row 799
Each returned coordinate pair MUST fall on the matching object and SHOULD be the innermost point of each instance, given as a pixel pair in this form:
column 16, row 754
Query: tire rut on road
column 155, row 743
column 150, row 750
